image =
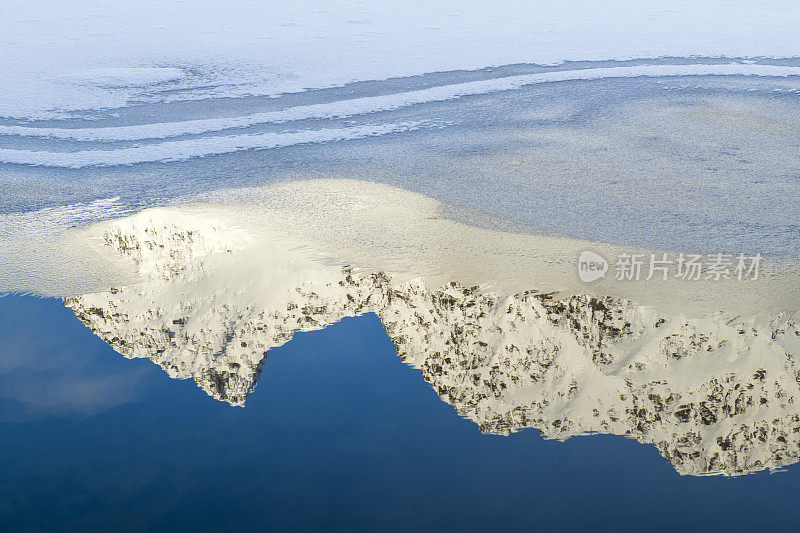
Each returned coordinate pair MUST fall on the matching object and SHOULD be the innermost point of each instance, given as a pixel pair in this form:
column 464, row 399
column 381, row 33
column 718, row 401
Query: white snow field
column 62, row 56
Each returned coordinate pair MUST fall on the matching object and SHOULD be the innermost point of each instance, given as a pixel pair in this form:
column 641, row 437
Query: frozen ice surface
column 694, row 161
column 59, row 57
column 669, row 125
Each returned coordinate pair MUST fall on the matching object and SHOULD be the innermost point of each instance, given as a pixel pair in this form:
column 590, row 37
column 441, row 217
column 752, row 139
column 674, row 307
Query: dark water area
column 338, row 435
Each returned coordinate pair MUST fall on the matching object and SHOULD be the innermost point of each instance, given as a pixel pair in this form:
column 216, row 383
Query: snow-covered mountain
column 715, row 394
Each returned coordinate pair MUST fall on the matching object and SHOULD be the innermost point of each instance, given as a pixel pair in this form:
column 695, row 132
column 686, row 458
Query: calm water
column 338, row 435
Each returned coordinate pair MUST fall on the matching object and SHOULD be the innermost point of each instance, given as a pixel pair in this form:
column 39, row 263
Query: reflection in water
column 715, row 394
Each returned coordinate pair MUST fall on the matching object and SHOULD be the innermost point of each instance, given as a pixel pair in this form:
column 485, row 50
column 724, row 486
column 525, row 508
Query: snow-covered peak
column 715, row 394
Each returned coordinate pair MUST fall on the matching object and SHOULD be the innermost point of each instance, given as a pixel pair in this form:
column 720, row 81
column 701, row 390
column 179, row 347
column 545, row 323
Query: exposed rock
column 714, row 395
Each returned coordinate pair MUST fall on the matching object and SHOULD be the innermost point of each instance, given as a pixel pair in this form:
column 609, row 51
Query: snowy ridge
column 715, row 394
column 160, row 249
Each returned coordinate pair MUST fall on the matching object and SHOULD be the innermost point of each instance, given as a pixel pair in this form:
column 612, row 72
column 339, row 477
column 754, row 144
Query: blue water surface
column 339, row 435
